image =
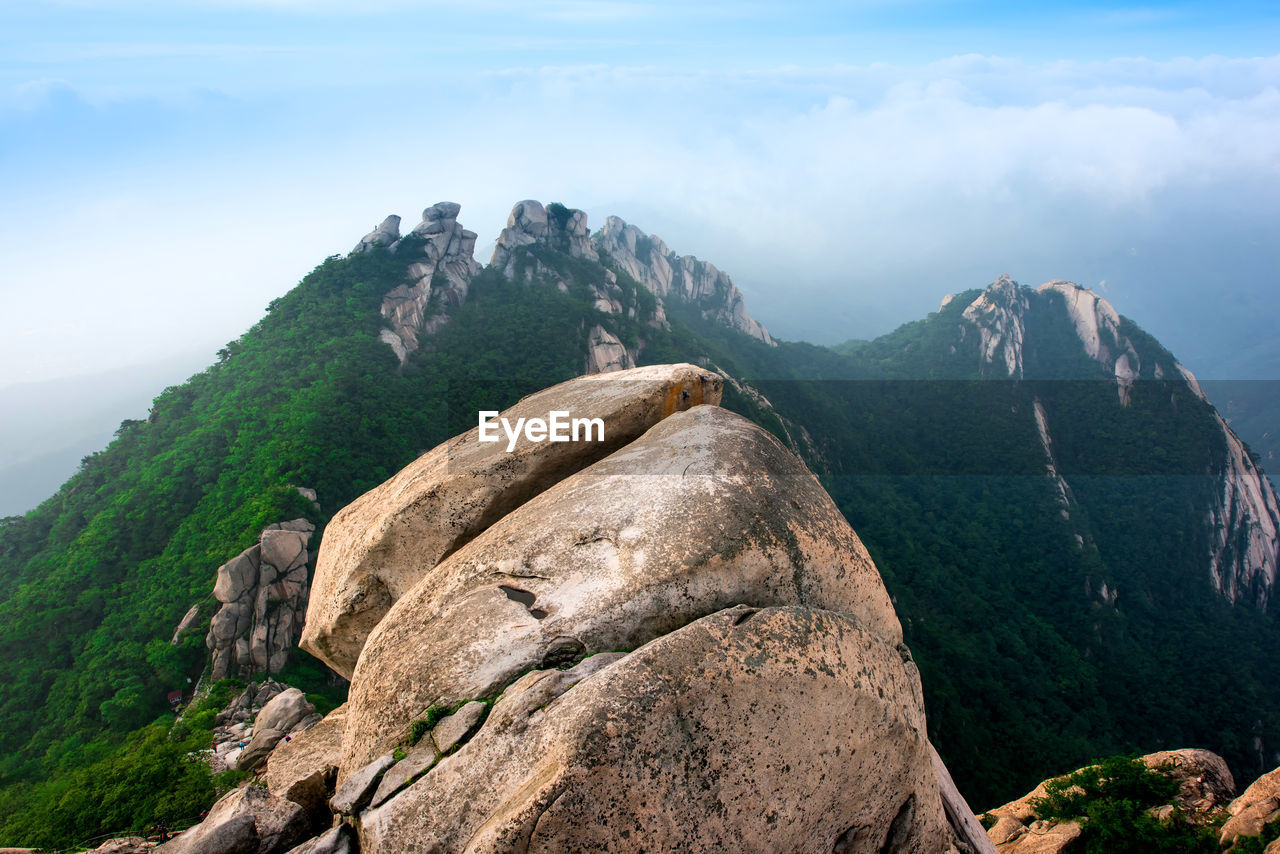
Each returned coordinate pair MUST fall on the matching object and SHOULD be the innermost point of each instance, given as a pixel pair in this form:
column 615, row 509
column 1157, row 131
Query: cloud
column 843, row 198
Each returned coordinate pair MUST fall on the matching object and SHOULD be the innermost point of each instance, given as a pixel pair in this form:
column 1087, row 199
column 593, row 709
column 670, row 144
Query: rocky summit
column 672, row 643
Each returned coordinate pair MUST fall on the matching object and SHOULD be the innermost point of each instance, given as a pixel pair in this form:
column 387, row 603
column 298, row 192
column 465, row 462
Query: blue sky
column 170, row 168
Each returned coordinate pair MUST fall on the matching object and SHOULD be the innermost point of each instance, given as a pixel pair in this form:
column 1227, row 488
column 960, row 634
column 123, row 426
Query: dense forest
column 1031, row 666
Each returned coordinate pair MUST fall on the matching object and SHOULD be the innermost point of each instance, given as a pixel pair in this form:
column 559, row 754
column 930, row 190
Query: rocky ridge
column 440, row 280
column 647, row 259
column 1244, row 559
column 439, row 275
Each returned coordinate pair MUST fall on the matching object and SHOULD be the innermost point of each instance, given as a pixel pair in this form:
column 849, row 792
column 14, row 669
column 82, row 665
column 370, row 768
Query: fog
column 161, row 192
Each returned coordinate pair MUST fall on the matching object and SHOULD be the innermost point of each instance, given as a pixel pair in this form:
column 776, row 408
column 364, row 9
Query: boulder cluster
column 668, row 641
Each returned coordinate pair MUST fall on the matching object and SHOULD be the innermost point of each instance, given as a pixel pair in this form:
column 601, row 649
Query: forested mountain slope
column 1081, row 554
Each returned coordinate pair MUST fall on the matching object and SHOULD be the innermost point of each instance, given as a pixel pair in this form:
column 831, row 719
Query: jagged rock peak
column 647, row 259
column 1098, row 326
column 998, row 313
column 442, row 266
column 555, row 225
column 387, row 233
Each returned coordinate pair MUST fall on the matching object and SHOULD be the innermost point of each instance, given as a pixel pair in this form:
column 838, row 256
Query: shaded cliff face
column 1244, row 517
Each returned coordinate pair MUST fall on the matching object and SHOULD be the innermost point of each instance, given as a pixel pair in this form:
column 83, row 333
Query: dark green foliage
column 1111, row 800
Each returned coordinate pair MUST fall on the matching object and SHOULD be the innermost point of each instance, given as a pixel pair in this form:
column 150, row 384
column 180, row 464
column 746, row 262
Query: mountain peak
column 442, row 266
column 646, row 258
column 555, row 225
column 998, row 313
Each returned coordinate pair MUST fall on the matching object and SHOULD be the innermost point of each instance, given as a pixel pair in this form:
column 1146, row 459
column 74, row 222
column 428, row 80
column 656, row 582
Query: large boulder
column 783, row 729
column 278, row 718
column 305, row 768
column 379, row 546
column 703, row 512
column 248, row 820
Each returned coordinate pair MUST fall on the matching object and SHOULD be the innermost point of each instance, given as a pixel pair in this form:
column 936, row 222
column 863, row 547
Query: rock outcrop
column 680, row 644
column 605, row 353
column 1205, row 786
column 1097, row 325
column 999, row 313
column 305, row 768
column 1257, row 806
column 1245, row 554
column 249, row 820
column 288, row 712
column 442, row 265
column 782, row 729
column 383, row 543
column 560, row 228
column 386, row 234
column 263, row 593
column 702, row 512
column 648, row 260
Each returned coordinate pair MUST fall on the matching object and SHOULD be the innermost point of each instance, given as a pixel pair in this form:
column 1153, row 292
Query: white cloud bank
column 843, row 199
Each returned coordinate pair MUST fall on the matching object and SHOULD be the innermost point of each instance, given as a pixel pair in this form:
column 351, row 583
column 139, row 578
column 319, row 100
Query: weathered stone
column 336, row 840
column 276, row 720
column 419, row 759
column 256, row 751
column 704, row 511
column 1256, row 807
column 605, row 352
column 440, row 275
column 783, row 729
column 248, row 820
column 305, row 768
column 264, row 594
column 357, row 790
column 453, row 729
column 237, row 576
column 1205, row 782
column 284, row 711
column 376, row 548
column 387, row 233
column 1040, row 837
column 670, row 276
